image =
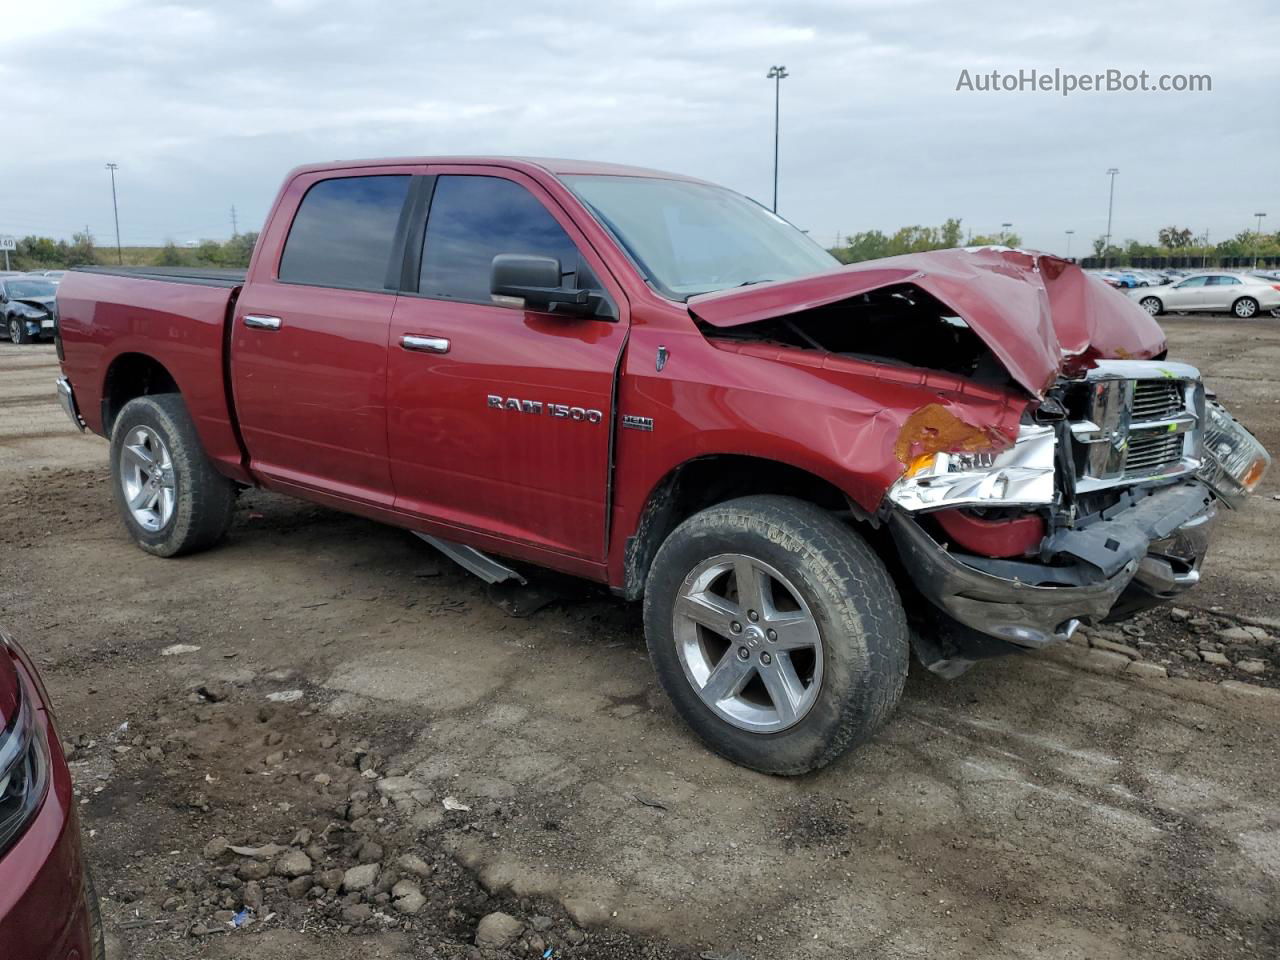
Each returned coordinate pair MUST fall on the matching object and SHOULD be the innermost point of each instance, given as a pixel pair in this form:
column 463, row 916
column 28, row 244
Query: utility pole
column 777, row 75
column 1069, row 233
column 1257, row 239
column 235, row 230
column 115, row 209
column 1111, row 172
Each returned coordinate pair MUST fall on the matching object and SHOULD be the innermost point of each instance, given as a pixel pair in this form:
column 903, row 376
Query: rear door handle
column 260, row 322
column 424, row 344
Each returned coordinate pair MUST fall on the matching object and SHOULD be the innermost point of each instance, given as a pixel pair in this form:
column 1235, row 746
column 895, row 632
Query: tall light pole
column 1257, row 239
column 777, row 75
column 115, row 209
column 1068, row 233
column 1111, row 197
column 1003, row 231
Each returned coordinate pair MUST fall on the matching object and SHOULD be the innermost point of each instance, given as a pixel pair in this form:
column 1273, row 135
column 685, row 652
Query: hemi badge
column 632, row 422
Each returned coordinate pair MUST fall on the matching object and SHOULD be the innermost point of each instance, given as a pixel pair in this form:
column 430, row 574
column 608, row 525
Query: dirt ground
column 347, row 695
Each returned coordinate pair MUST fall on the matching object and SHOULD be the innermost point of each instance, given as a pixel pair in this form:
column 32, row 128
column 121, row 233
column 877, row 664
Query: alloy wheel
column 146, row 477
column 748, row 643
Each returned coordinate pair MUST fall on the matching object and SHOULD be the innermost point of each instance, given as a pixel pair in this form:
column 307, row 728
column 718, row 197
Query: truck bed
column 206, row 276
column 160, row 324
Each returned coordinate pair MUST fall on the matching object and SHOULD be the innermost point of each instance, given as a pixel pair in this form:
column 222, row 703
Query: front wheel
column 1245, row 307
column 169, row 495
column 1152, row 305
column 777, row 633
column 18, row 331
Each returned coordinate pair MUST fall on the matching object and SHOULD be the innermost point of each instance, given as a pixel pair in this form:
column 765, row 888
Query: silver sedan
column 1238, row 293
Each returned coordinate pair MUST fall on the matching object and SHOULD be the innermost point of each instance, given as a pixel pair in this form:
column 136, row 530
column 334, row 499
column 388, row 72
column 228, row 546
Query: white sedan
column 1238, row 293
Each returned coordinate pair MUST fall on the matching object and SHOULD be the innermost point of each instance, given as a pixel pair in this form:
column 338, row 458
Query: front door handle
column 424, row 344
column 259, row 322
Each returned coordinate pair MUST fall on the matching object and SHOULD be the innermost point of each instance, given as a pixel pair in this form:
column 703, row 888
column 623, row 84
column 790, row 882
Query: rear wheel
column 169, row 495
column 1152, row 305
column 776, row 632
column 1245, row 307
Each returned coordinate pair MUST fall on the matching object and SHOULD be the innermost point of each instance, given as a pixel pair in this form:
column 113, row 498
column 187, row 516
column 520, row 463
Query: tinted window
column 344, row 232
column 472, row 220
column 1221, row 281
column 1193, row 282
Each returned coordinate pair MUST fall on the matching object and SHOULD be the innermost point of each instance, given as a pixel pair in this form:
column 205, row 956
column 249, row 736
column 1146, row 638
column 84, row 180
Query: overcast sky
column 205, row 105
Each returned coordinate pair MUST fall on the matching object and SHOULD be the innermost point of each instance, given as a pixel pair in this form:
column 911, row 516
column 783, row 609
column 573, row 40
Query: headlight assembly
column 1019, row 476
column 24, row 763
column 1234, row 461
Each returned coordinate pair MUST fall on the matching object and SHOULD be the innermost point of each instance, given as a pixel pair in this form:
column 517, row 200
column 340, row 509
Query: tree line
column 1172, row 241
column 46, row 253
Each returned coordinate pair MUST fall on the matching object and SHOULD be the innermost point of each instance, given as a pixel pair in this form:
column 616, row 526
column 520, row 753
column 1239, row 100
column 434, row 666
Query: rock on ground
column 360, row 878
column 497, row 930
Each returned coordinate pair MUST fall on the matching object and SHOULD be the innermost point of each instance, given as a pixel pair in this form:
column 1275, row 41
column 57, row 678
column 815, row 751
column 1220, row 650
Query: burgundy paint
column 310, row 404
column 1037, row 313
column 1010, row 537
column 43, row 915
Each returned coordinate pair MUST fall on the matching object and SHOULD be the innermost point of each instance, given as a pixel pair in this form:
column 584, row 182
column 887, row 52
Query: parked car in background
column 27, row 307
column 48, row 908
column 1239, row 293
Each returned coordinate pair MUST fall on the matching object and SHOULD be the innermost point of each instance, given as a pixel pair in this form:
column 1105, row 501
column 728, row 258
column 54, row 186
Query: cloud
column 205, row 105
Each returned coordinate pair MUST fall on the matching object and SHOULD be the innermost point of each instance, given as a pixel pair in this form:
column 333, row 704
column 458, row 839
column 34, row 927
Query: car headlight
column 1019, row 476
column 1234, row 461
column 24, row 761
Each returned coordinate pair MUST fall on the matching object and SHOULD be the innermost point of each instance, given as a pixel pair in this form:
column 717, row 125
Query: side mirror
column 535, row 284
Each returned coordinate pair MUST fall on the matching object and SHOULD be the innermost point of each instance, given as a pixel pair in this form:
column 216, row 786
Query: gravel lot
column 335, row 689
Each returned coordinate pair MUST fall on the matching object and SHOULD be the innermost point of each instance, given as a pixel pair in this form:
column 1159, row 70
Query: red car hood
column 1039, row 314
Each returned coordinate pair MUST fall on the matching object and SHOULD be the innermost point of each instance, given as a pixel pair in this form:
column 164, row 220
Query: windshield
column 20, row 289
column 691, row 238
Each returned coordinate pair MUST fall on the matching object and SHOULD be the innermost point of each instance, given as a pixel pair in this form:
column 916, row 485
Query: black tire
column 18, row 331
column 1245, row 308
column 854, row 603
column 97, row 937
column 203, row 498
column 1146, row 303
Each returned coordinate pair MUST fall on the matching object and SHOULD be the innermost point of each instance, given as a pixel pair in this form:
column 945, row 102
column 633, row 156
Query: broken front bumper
column 1145, row 549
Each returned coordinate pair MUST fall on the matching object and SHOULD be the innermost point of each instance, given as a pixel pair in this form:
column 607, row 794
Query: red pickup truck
column 804, row 470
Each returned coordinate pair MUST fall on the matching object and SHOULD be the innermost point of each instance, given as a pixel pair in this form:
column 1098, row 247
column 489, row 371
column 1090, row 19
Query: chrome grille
column 1135, row 420
column 1157, row 399
column 1151, row 451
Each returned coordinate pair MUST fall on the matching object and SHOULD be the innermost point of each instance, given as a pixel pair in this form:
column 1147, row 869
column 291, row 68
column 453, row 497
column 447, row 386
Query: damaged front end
column 1097, row 503
column 1116, row 489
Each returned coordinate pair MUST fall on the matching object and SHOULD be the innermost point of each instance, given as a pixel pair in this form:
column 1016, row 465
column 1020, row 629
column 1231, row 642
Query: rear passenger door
column 499, row 418
column 309, row 335
column 1221, row 291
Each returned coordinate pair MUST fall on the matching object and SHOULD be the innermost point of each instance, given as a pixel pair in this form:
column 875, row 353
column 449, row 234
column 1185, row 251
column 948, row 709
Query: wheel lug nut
column 765, row 658
column 736, row 627
column 752, row 616
column 744, row 653
column 771, row 634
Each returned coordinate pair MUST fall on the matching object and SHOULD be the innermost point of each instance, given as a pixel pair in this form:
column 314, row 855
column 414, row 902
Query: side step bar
column 475, row 561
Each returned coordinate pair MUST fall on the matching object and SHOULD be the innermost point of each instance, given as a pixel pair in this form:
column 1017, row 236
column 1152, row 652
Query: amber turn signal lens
column 920, row 463
column 1253, row 475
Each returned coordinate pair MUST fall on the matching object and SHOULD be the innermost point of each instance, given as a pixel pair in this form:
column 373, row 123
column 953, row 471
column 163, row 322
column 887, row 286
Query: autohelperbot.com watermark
column 1066, row 82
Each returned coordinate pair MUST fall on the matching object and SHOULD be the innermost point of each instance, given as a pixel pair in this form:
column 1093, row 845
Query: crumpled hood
column 1039, row 314
column 41, row 303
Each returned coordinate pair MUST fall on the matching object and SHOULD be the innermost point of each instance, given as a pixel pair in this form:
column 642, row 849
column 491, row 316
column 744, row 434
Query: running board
column 469, row 558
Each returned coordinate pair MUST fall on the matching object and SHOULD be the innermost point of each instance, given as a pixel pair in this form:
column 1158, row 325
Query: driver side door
column 499, row 417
